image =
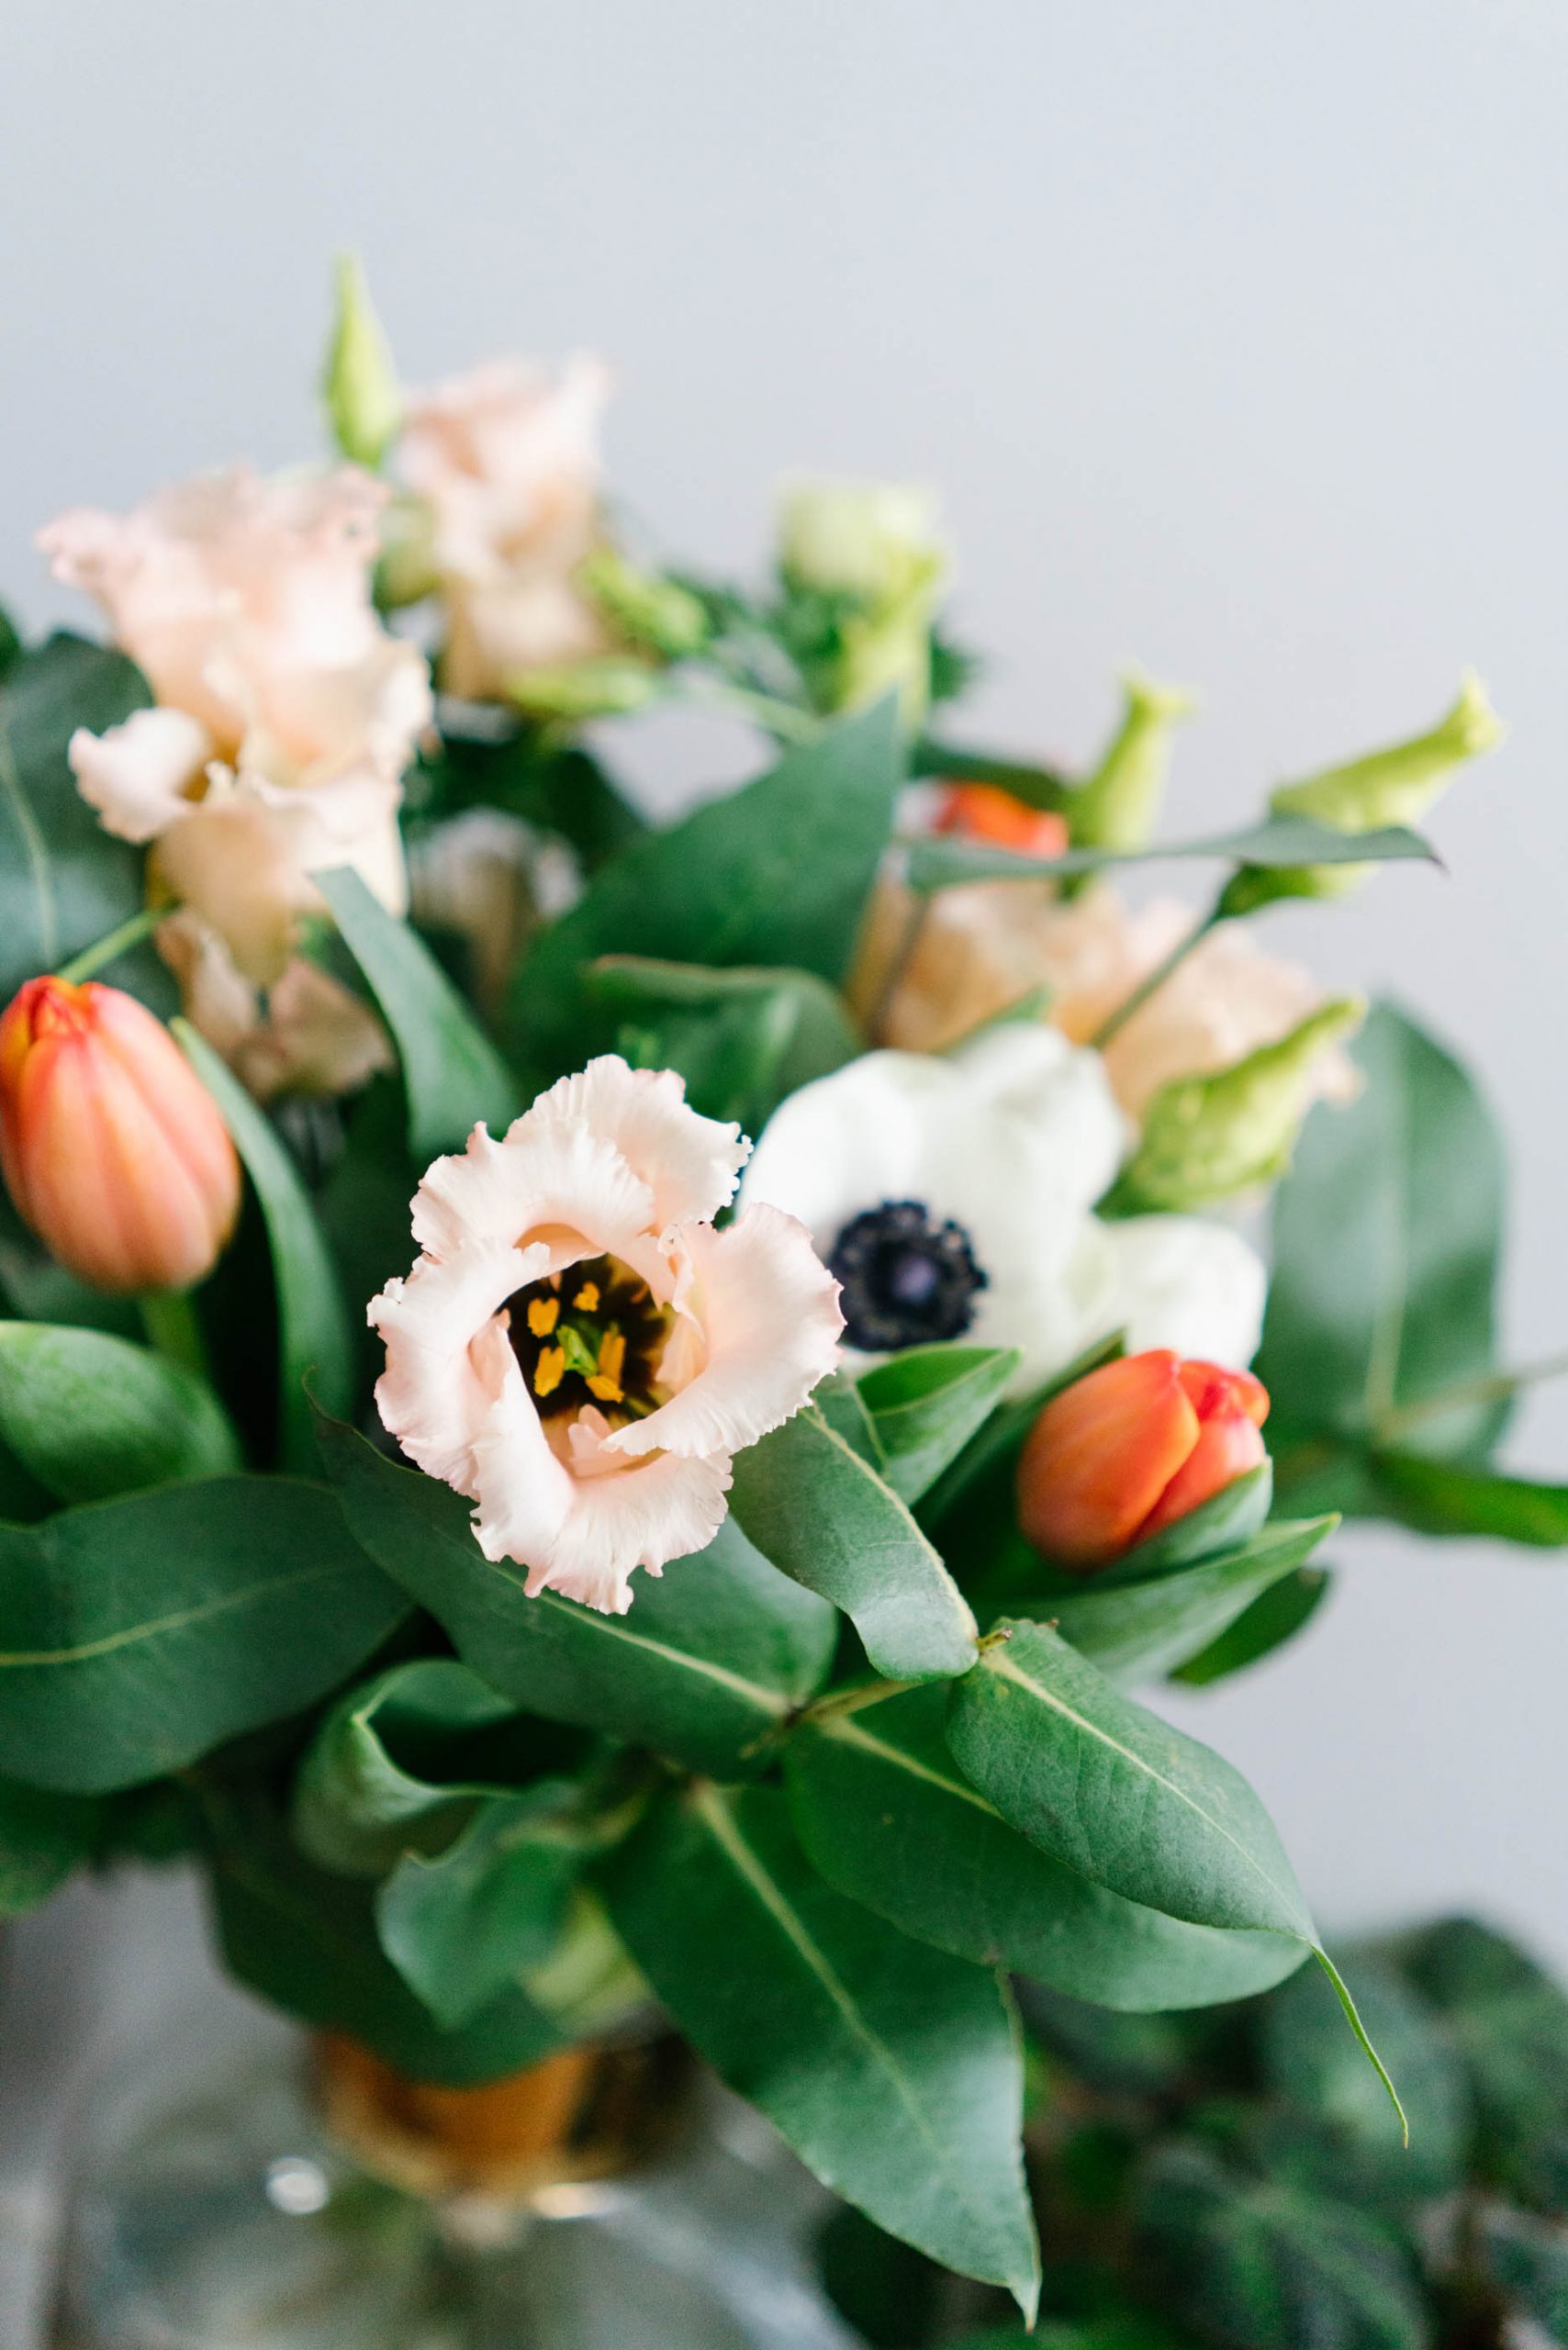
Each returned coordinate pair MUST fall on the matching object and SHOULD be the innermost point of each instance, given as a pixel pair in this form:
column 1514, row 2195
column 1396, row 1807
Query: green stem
column 775, row 716
column 118, row 942
column 1494, row 1388
column 854, row 1701
column 169, row 1318
column 1152, row 981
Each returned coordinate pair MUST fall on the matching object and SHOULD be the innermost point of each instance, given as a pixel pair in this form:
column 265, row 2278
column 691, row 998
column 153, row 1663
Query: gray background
column 1233, row 336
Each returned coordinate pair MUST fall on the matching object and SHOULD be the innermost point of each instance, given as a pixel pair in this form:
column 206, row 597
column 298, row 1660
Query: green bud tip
column 1398, row 785
column 360, row 386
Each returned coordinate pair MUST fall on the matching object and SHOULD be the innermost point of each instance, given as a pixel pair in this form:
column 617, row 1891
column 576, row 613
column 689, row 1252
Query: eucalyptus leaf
column 714, row 1657
column 886, row 1818
column 135, row 1634
column 1386, row 1246
column 64, row 882
column 813, row 1032
column 940, row 861
column 314, row 1343
column 453, row 1075
column 814, row 1507
column 1438, row 1498
column 892, row 2069
column 1139, row 1630
column 1257, row 2265
column 927, row 1403
column 91, row 1416
column 1276, row 1616
column 1507, row 2022
column 463, row 1924
column 732, row 884
column 43, row 1837
column 308, row 1941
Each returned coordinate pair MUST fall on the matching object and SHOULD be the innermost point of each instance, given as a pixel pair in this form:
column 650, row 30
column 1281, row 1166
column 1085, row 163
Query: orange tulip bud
column 111, row 1148
column 1126, row 1451
column 983, row 811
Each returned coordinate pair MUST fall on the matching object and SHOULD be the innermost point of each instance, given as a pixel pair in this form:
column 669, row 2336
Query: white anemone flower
column 578, row 1350
column 954, row 1197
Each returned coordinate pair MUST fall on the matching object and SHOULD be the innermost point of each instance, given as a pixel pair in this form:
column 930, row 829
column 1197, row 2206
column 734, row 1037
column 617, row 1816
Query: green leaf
column 776, row 874
column 64, row 882
column 1526, row 2256
column 462, row 1925
column 942, row 860
column 487, row 760
column 358, row 1807
column 1037, row 787
column 137, row 1633
column 1139, row 1630
column 818, row 1510
column 887, row 1818
column 90, row 1415
column 43, row 1837
column 307, row 1940
column 714, row 1656
column 893, row 2070
column 1439, row 1499
column 1386, row 1241
column 810, row 1032
column 927, row 1403
column 1277, row 1616
column 1226, row 1521
column 1257, row 2265
column 1113, row 1792
column 452, row 1075
column 313, row 1333
column 1507, row 2021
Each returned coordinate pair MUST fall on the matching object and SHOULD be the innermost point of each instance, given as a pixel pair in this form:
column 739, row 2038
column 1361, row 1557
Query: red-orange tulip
column 983, row 811
column 1123, row 1453
column 111, row 1148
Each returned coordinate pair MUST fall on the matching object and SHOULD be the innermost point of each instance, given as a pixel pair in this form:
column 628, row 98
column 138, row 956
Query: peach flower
column 506, row 461
column 985, row 945
column 578, row 1350
column 285, row 713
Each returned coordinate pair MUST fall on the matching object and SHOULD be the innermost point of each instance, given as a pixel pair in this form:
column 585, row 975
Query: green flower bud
column 1118, row 806
column 1206, row 1138
column 364, row 403
column 605, row 685
column 1393, row 787
column 643, row 606
column 865, row 560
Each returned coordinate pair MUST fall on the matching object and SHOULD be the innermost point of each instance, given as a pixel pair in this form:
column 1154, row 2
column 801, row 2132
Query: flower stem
column 119, row 941
column 1494, row 1388
column 169, row 1318
column 854, row 1701
column 775, row 716
column 1152, row 981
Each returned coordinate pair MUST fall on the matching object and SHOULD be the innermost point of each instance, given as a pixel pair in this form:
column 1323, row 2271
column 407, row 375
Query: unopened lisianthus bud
column 604, row 685
column 1128, row 1450
column 1118, row 806
column 112, row 1150
column 364, row 404
column 870, row 553
column 1396, row 786
column 1207, row 1138
column 644, row 606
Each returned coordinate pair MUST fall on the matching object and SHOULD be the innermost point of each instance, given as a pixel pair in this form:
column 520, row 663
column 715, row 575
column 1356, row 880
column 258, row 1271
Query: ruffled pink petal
column 689, row 1163
column 768, row 1311
column 137, row 776
column 557, row 1182
column 447, row 1354
column 653, row 1512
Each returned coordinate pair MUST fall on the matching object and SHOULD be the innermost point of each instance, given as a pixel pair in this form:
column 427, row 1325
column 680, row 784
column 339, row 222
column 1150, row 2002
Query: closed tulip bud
column 1118, row 805
column 1207, row 1138
column 983, row 811
column 1126, row 1452
column 111, row 1149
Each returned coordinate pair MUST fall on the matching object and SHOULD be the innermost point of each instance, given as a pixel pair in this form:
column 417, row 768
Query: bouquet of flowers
column 700, row 1552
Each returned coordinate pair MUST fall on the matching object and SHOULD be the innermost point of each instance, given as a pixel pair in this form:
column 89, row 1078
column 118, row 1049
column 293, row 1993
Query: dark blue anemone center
column 906, row 1278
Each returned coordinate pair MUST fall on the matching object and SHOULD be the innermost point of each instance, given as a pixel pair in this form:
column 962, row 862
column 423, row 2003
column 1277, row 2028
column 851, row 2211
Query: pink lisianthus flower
column 506, row 462
column 578, row 1350
column 285, row 713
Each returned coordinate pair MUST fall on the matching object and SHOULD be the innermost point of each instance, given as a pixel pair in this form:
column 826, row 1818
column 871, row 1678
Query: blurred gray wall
column 1233, row 333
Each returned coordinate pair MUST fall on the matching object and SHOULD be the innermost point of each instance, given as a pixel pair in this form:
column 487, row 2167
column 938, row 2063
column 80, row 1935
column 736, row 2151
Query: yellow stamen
column 543, row 1315
column 611, row 1356
column 586, row 1298
column 605, row 1389
column 549, row 1370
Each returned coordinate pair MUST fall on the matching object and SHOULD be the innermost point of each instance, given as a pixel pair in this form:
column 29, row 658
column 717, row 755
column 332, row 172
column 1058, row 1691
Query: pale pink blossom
column 285, row 713
column 579, row 1351
column 986, row 945
column 506, row 461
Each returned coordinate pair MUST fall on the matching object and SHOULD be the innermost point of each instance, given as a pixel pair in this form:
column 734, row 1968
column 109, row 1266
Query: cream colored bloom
column 506, row 459
column 988, row 943
column 578, row 1350
column 285, row 712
